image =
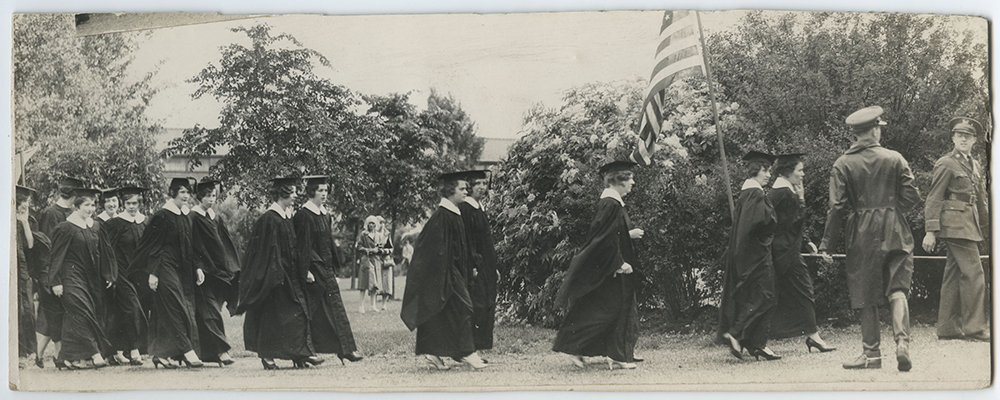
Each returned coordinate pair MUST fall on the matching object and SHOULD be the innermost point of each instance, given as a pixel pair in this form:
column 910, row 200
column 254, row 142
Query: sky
column 496, row 66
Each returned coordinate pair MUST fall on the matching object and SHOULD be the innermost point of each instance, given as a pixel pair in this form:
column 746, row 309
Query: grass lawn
column 523, row 358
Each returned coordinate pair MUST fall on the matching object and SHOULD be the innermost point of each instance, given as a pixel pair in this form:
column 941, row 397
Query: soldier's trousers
column 871, row 329
column 962, row 311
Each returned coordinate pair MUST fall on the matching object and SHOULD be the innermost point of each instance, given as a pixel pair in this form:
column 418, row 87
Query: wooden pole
column 715, row 115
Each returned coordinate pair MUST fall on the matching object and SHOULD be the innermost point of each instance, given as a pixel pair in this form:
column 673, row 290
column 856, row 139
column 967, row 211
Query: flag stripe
column 677, row 57
column 674, row 57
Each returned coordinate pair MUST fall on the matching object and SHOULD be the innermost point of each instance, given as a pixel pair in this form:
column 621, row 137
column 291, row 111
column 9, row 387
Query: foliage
column 281, row 119
column 784, row 84
column 75, row 102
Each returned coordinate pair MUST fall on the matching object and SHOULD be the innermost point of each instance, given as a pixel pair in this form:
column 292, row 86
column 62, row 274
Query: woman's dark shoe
column 638, row 358
column 735, row 348
column 39, row 363
column 352, row 357
column 193, row 364
column 158, row 362
column 268, row 365
column 135, row 361
column 810, row 343
column 312, row 360
column 60, row 364
column 768, row 355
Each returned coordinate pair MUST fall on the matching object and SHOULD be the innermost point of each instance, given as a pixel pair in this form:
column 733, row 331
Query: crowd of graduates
column 118, row 285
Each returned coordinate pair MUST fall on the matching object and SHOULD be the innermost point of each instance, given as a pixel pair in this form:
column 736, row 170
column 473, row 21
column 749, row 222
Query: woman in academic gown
column 215, row 254
column 483, row 277
column 164, row 264
column 126, row 317
column 48, row 325
column 436, row 299
column 272, row 286
column 81, row 267
column 599, row 290
column 748, row 285
column 795, row 311
column 32, row 257
column 329, row 326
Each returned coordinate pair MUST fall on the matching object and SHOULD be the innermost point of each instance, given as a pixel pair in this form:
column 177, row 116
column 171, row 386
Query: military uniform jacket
column 956, row 205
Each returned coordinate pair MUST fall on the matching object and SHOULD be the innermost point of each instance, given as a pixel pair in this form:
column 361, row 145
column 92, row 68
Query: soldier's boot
column 901, row 329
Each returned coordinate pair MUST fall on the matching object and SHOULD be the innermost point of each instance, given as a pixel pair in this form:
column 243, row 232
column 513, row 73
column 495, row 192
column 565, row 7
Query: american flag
column 677, row 57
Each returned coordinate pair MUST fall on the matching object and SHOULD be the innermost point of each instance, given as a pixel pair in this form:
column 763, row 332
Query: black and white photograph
column 619, row 200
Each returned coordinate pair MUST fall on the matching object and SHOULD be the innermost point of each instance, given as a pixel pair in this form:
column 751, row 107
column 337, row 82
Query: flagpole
column 715, row 115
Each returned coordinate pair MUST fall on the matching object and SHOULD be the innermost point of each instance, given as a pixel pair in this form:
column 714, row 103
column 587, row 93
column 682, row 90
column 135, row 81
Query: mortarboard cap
column 865, row 118
column 109, row 193
column 130, row 190
column 453, row 176
column 206, row 182
column 790, row 156
column 759, row 156
column 316, row 179
column 24, row 190
column 282, row 182
column 616, row 166
column 177, row 183
column 88, row 192
column 967, row 126
column 70, row 183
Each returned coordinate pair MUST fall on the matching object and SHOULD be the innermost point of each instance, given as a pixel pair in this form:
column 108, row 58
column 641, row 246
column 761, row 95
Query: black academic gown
column 602, row 316
column 436, row 299
column 126, row 318
column 165, row 251
column 82, row 262
column 50, row 309
column 748, row 286
column 330, row 328
column 795, row 310
column 483, row 287
column 271, row 293
column 31, row 264
column 216, row 256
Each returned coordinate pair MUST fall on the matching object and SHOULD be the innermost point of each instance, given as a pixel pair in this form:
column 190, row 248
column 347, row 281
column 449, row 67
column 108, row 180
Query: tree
column 75, row 102
column 444, row 114
column 278, row 119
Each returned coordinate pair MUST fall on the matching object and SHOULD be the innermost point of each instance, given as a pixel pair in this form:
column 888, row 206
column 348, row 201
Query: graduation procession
column 759, row 217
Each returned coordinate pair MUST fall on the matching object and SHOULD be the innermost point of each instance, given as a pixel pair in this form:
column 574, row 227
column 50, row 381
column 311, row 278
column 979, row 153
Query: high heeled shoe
column 436, row 362
column 352, row 357
column 810, row 343
column 312, row 360
column 735, row 348
column 119, row 360
column 158, row 362
column 135, row 361
column 623, row 365
column 757, row 353
column 192, row 364
column 60, row 364
column 39, row 362
column 300, row 364
column 98, row 365
column 268, row 365
column 474, row 361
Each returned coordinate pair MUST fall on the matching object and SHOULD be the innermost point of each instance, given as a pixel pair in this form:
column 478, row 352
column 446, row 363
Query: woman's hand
column 201, row 276
column 636, row 233
column 108, row 286
column 309, row 277
column 153, row 282
column 625, row 269
column 812, row 248
column 57, row 290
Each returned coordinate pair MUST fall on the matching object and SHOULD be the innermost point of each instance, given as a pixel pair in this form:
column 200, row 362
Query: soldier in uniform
column 870, row 189
column 956, row 212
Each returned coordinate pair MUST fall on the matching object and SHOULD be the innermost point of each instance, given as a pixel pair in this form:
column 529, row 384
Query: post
column 715, row 115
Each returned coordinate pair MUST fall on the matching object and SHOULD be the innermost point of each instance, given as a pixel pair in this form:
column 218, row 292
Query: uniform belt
column 966, row 197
